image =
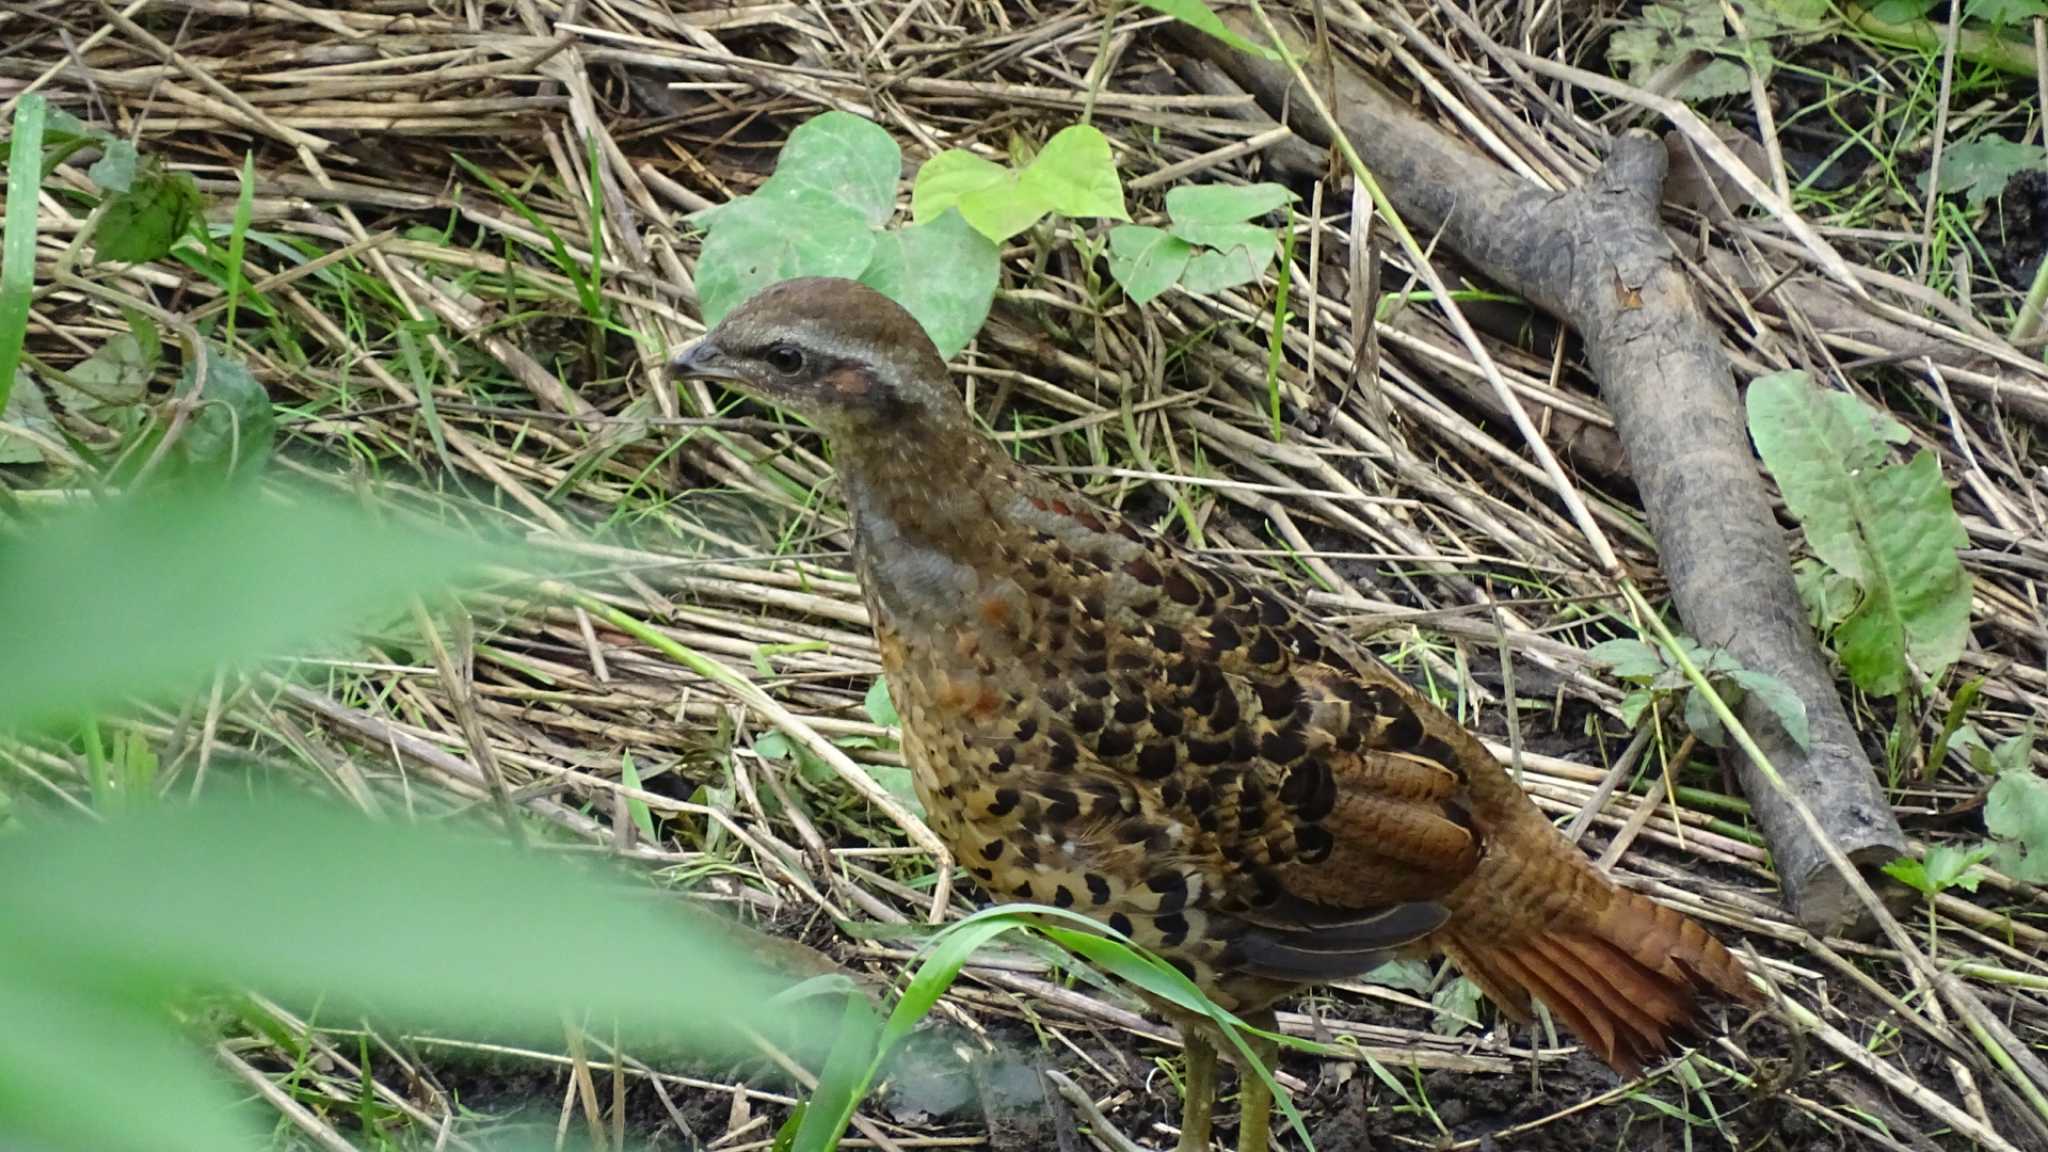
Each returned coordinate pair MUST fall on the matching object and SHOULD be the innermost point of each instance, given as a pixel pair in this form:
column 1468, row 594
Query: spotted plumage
column 1096, row 719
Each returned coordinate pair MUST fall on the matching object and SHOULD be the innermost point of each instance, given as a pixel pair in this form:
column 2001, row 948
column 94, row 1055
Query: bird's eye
column 784, row 358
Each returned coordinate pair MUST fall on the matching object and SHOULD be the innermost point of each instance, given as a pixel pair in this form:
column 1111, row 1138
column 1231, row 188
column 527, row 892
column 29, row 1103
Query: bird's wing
column 1332, row 797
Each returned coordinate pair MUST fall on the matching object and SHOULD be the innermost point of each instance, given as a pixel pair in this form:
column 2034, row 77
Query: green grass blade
column 238, row 236
column 18, row 245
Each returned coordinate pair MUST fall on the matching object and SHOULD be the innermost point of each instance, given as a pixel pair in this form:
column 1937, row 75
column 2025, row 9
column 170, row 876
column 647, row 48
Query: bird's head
column 836, row 352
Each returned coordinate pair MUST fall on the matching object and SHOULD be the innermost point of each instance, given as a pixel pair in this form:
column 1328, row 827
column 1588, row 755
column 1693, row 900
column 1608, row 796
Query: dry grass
column 388, row 275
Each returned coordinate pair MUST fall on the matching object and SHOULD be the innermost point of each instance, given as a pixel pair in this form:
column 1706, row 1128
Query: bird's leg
column 1198, row 1094
column 1254, row 1099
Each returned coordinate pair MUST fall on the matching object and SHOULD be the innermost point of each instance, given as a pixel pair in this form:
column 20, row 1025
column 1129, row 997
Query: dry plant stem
column 1326, row 121
column 2005, row 1049
column 1597, row 258
column 787, row 722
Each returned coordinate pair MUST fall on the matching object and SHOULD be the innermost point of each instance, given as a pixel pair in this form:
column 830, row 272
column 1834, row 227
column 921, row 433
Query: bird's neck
column 933, row 511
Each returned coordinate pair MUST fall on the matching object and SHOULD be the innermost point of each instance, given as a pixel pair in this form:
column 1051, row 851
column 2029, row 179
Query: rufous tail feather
column 1625, row 980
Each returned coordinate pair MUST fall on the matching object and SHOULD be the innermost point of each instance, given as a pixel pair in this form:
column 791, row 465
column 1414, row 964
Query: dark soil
column 2016, row 233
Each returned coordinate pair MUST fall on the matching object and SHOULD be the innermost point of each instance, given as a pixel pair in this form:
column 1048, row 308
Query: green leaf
column 756, row 242
column 151, row 593
column 841, row 1083
column 26, row 410
column 1948, row 867
column 2014, row 753
column 1703, row 722
column 1457, row 1007
column 950, row 177
column 636, row 810
column 1210, row 271
column 1226, row 237
column 1828, row 595
column 147, row 221
column 18, row 235
column 1630, row 659
column 1076, row 174
column 2005, row 13
column 900, row 785
column 879, row 705
column 943, row 272
column 991, row 198
column 1146, row 261
column 1669, row 33
column 1800, row 15
column 2016, row 811
column 773, row 746
column 1197, row 15
column 1817, row 449
column 113, row 377
column 1404, row 975
column 1783, row 702
column 1635, row 704
column 1225, row 203
column 1981, row 168
column 1893, row 530
column 1911, row 873
column 839, row 158
column 1901, row 11
column 231, row 431
column 114, row 171
column 1917, row 601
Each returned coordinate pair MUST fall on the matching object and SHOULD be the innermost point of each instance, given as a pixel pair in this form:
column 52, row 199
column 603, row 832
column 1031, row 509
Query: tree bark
column 1597, row 258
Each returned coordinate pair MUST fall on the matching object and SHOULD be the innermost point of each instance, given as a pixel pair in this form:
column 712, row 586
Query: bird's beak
column 703, row 360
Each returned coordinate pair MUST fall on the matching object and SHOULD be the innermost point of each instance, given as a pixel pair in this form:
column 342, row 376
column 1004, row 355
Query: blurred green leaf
column 1405, row 975
column 2016, row 811
column 27, row 410
column 310, row 903
column 148, row 1088
column 636, row 810
column 1918, row 601
column 1666, row 36
column 1702, row 721
column 1225, row 237
column 1946, row 867
column 150, row 593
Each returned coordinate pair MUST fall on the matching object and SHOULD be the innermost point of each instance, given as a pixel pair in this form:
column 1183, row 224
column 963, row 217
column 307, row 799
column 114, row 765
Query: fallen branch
column 1597, row 258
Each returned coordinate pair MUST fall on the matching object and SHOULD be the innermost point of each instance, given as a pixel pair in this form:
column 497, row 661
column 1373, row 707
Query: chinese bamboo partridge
column 1097, row 720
